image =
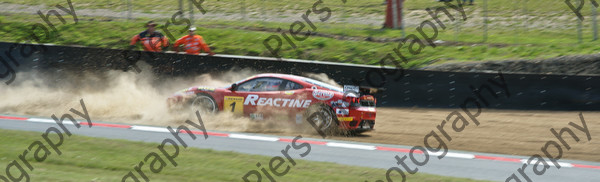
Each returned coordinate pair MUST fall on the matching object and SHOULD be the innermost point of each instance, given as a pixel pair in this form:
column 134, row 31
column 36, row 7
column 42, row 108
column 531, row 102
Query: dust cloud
column 112, row 96
column 322, row 77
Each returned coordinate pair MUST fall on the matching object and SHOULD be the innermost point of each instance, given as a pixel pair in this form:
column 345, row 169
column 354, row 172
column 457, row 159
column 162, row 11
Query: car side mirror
column 233, row 87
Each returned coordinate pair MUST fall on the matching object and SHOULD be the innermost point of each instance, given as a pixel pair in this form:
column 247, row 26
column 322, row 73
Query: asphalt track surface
column 464, row 164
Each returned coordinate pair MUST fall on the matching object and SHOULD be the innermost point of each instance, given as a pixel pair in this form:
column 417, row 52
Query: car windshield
column 325, row 85
column 243, row 80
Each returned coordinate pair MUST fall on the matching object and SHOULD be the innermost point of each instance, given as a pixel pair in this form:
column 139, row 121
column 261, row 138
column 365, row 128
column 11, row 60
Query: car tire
column 322, row 118
column 204, row 103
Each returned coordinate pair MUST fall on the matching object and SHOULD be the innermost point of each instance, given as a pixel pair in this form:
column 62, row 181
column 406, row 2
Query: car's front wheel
column 204, row 103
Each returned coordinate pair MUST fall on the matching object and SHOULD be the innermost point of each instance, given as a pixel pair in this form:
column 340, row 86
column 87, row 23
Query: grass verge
column 243, row 38
column 355, row 7
column 96, row 159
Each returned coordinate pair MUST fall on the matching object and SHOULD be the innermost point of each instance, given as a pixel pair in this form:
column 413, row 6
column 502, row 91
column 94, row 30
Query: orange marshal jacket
column 192, row 44
column 151, row 41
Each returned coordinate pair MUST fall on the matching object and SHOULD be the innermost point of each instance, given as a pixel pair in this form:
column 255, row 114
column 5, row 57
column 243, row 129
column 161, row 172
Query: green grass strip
column 97, row 159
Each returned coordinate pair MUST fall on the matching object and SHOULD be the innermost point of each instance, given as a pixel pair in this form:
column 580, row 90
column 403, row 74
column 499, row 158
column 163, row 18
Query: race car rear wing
column 360, row 90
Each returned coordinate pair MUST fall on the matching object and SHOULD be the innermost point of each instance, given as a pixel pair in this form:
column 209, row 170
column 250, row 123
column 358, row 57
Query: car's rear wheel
column 323, row 119
column 204, row 103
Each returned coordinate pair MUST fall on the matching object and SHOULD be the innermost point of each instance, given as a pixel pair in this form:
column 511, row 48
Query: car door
column 253, row 98
column 294, row 100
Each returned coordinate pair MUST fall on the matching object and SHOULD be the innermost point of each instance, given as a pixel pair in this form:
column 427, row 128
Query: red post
column 393, row 14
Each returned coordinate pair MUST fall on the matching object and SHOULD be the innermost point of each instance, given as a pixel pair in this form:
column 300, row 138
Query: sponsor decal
column 339, row 103
column 342, row 111
column 256, row 100
column 256, row 116
column 210, row 89
column 233, row 104
column 351, row 89
column 288, row 92
column 345, row 118
column 322, row 94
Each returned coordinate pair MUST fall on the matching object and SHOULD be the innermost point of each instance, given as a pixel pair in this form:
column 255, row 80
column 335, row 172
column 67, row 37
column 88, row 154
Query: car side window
column 290, row 85
column 260, row 85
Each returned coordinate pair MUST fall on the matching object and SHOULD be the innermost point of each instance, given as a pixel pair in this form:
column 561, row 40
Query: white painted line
column 453, row 155
column 549, row 162
column 352, row 146
column 251, row 137
column 149, row 128
column 41, row 120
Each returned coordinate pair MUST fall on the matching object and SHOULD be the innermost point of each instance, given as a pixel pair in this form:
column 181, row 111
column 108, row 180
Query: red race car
column 298, row 98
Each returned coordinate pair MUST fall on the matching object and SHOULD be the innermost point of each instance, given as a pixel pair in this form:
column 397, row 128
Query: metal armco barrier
column 418, row 88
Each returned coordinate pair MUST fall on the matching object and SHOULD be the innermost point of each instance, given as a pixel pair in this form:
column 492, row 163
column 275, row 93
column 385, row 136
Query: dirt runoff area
column 500, row 131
